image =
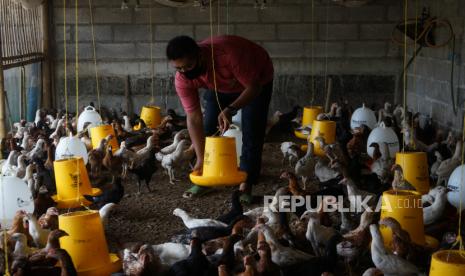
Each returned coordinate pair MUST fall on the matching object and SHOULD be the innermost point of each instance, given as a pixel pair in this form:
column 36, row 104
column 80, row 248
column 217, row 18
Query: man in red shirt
column 244, row 81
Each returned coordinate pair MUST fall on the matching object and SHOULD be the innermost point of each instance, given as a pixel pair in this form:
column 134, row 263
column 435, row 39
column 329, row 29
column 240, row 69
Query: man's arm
column 250, row 93
column 195, row 127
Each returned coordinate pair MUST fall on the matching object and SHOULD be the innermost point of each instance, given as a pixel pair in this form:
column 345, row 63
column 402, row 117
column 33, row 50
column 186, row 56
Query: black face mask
column 195, row 72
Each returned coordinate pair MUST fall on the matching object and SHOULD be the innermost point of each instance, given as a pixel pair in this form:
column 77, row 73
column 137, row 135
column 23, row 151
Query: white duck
column 305, row 167
column 388, row 263
column 180, row 135
column 38, row 234
column 192, row 222
column 171, row 252
column 282, row 255
column 435, row 210
column 447, row 166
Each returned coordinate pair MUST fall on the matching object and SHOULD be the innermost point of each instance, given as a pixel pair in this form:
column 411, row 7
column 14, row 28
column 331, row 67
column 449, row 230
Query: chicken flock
column 261, row 241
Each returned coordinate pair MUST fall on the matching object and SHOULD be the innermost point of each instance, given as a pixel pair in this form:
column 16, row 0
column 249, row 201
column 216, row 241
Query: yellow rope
column 312, row 56
column 405, row 68
column 65, row 64
column 94, row 53
column 76, row 30
column 213, row 57
column 152, row 73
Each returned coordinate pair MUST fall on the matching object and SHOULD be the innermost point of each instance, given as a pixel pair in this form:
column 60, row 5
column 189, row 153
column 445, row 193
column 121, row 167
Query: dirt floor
column 148, row 218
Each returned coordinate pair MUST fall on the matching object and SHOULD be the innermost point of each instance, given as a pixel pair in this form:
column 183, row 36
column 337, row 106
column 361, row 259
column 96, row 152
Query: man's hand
column 198, row 167
column 224, row 120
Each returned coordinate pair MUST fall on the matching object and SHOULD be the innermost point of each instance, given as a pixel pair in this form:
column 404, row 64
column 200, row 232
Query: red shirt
column 238, row 63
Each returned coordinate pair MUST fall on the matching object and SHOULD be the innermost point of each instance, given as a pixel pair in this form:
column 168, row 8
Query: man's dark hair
column 182, row 47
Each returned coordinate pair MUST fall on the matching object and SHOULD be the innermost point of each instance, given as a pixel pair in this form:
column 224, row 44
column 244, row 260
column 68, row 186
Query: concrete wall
column 429, row 78
column 352, row 45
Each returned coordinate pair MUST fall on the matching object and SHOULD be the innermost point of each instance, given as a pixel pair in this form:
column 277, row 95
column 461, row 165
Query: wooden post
column 47, row 99
column 328, row 94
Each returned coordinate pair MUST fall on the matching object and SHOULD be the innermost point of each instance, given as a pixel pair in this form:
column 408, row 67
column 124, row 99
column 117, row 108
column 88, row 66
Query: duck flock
column 265, row 240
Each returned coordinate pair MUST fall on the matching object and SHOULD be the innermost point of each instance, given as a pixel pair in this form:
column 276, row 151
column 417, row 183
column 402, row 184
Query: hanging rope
column 213, row 60
column 405, row 69
column 218, row 19
column 76, row 37
column 152, row 69
column 65, row 65
column 312, row 56
column 94, row 53
column 227, row 17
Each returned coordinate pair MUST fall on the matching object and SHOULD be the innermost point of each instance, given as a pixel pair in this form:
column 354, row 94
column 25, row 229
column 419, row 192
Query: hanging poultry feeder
column 415, row 169
column 448, row 262
column 383, row 134
column 363, row 116
column 14, row 196
column 86, row 243
column 235, row 132
column 72, row 182
column 220, row 164
column 151, row 116
column 308, row 116
column 325, row 129
column 456, row 188
column 89, row 115
column 69, row 147
column 98, row 133
column 405, row 207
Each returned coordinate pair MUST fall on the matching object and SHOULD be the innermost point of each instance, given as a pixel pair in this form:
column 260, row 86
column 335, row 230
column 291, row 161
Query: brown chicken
column 143, row 263
column 39, row 258
column 250, row 267
column 19, row 227
column 115, row 164
column 293, row 185
column 403, row 246
column 49, row 220
column 355, row 146
column 42, row 202
column 66, row 263
column 50, row 156
column 265, row 265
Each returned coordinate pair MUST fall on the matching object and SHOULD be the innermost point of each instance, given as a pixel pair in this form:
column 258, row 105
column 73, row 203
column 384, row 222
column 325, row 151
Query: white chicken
column 170, row 161
column 291, row 153
column 127, row 124
column 9, row 165
column 353, row 192
column 171, row 252
column 21, row 247
column 318, row 235
column 305, row 167
column 26, row 142
column 37, row 151
column 435, row 210
column 38, row 234
column 143, row 154
column 436, row 164
column 124, row 152
column 382, row 162
column 104, row 213
column 282, row 255
column 191, row 222
column 181, row 135
column 388, row 263
column 21, row 169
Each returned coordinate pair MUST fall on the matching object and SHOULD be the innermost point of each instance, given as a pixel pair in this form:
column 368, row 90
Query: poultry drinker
column 151, row 116
column 325, row 130
column 415, row 169
column 72, row 182
column 98, row 133
column 308, row 116
column 89, row 115
column 448, row 262
column 363, row 116
column 457, row 188
column 13, row 195
column 220, row 164
column 86, row 243
column 69, row 147
column 405, row 207
column 383, row 134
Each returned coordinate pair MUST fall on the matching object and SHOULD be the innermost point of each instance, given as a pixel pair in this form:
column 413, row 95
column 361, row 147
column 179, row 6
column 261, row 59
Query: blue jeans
column 254, row 120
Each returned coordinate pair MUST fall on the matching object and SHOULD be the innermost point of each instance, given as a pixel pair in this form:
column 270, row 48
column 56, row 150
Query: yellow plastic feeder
column 448, row 262
column 99, row 133
column 405, row 207
column 308, row 116
column 68, row 172
column 151, row 116
column 86, row 243
column 220, row 164
column 325, row 129
column 415, row 168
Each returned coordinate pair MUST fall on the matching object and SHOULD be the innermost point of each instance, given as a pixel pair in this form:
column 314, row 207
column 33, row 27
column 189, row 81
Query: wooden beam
column 47, row 98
